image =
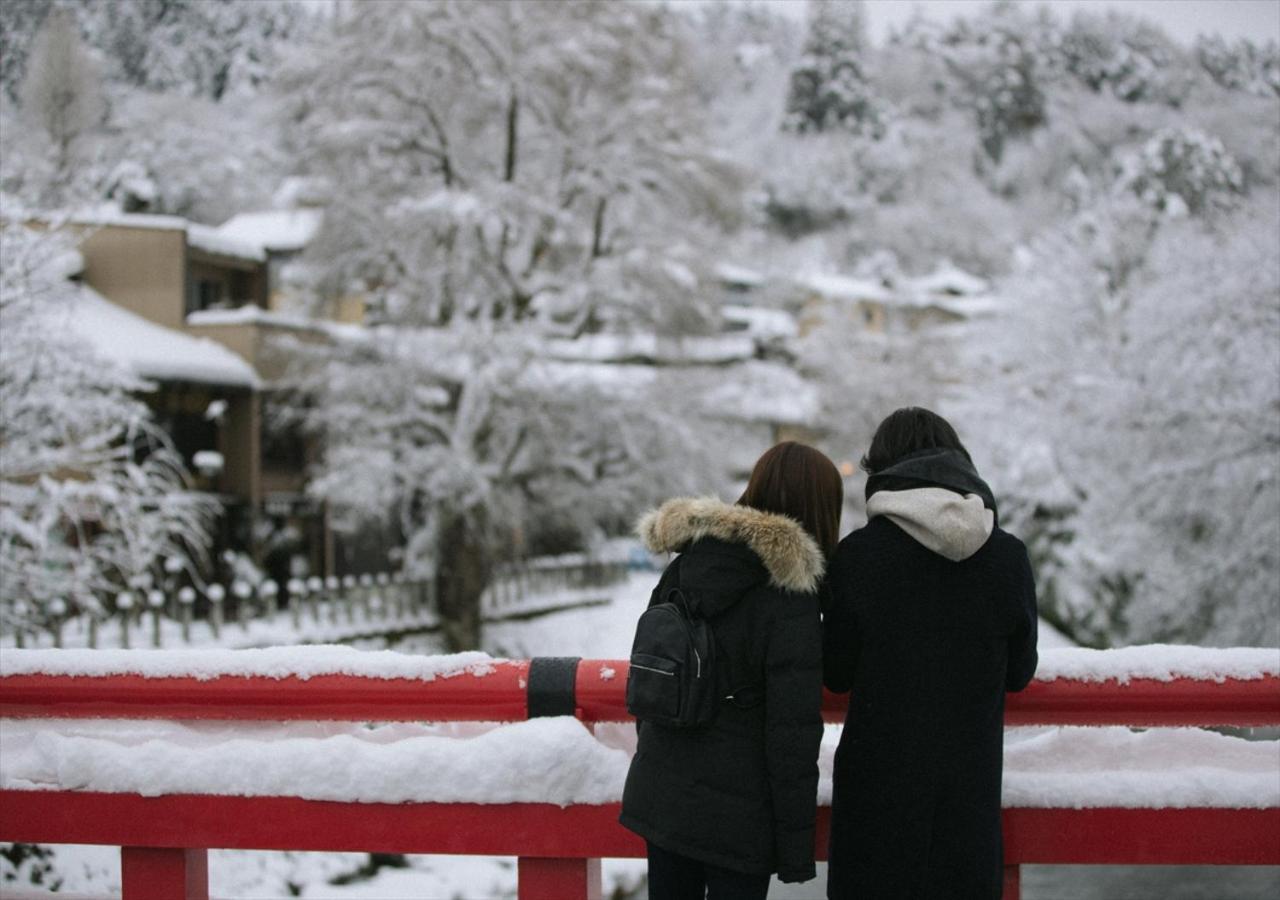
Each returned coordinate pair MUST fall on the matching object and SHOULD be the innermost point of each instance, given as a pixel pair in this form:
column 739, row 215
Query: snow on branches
column 92, row 499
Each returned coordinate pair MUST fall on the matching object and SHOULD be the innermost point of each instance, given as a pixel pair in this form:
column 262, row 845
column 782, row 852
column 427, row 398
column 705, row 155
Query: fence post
column 540, row 878
column 216, row 594
column 124, row 605
column 1012, row 883
column 58, row 610
column 175, row 873
column 186, row 601
column 155, row 600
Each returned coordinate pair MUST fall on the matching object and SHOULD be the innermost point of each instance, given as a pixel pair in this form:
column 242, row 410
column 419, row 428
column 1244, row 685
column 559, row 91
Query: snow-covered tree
column 506, row 172
column 61, row 90
column 1182, row 170
column 1242, row 66
column 1142, row 462
column 92, row 499
column 198, row 47
column 1126, row 56
column 829, row 90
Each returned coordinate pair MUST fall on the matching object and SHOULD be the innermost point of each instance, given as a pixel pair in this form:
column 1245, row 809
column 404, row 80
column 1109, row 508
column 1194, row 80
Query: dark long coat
column 740, row 793
column 929, row 646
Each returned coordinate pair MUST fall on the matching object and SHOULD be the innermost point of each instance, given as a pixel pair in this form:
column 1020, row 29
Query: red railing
column 163, row 839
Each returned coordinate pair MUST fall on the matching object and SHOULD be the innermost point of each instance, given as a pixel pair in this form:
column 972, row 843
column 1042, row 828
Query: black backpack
column 672, row 680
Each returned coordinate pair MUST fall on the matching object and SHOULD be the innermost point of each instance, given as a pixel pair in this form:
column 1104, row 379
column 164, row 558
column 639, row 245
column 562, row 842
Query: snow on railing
column 546, row 790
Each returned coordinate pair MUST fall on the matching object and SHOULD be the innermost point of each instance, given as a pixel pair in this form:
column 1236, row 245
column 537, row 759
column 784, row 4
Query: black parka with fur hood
column 740, row 793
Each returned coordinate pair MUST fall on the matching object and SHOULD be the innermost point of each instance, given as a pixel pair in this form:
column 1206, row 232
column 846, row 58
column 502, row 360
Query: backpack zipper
column 651, row 669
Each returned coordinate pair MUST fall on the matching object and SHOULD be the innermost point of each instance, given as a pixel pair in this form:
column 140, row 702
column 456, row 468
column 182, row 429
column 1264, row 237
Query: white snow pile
column 1160, row 662
column 268, row 662
column 552, row 760
column 557, row 760
column 148, row 350
column 1161, row 768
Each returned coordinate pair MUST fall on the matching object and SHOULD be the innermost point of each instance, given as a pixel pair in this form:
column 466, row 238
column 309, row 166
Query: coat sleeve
column 793, row 731
column 1023, row 655
column 840, row 639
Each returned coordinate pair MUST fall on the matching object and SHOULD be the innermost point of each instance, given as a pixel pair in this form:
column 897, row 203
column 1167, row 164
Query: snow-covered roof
column 653, row 348
column 762, row 324
column 274, row 230
column 212, row 240
column 950, row 279
column 733, row 274
column 152, row 351
column 845, row 287
column 110, row 215
column 201, row 237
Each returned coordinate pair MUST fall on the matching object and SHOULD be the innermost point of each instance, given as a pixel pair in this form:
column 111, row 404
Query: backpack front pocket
column 653, row 687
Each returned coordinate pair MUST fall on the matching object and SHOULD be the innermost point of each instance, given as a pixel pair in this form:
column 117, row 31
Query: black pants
column 676, row 877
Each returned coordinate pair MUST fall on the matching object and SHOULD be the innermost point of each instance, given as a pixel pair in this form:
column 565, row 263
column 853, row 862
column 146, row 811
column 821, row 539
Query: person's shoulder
column 1006, row 543
column 875, row 533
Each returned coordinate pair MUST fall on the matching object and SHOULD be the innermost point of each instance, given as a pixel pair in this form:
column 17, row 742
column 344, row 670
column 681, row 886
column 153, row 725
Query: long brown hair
column 796, row 480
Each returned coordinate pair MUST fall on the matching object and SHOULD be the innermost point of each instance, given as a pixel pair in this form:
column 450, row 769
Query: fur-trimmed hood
column 791, row 556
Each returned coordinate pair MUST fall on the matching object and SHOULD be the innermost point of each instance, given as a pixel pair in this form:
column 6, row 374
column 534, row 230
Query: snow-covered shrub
column 1182, row 170
column 91, row 496
column 1242, row 66
column 1125, row 56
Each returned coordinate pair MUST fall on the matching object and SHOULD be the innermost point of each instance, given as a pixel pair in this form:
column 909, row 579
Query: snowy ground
column 598, row 631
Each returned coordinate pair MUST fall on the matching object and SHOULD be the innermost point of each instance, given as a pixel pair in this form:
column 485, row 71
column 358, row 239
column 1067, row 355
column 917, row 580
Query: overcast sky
column 1183, row 19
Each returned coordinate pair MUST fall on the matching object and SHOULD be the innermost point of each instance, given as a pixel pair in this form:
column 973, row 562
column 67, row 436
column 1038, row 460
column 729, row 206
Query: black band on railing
column 551, row 685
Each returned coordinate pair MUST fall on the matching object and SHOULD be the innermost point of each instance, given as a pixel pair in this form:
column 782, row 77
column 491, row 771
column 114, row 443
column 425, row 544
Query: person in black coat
column 722, row 806
column 932, row 619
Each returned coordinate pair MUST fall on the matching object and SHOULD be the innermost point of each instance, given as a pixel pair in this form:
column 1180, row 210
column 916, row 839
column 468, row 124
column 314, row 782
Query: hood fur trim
column 790, row 553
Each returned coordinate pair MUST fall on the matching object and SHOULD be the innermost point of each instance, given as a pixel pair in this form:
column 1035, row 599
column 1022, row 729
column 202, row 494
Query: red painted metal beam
column 1139, row 837
column 1145, row 702
column 601, row 697
column 1045, row 836
column 495, row 697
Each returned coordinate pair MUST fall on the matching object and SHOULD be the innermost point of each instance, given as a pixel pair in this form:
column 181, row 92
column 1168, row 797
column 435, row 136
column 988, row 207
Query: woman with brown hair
column 725, row 804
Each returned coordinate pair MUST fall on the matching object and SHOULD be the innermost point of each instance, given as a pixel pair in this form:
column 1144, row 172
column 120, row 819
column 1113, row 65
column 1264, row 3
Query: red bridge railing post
column 541, row 878
column 173, row 873
column 1012, row 883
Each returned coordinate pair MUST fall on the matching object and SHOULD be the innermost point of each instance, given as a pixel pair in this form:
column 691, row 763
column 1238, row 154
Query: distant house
column 864, row 300
column 945, row 296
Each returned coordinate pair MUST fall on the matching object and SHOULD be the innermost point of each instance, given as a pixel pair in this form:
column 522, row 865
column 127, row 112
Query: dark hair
column 906, row 431
column 796, row 480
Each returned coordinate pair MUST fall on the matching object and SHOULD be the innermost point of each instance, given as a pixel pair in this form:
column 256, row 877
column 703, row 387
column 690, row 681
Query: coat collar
column 791, row 556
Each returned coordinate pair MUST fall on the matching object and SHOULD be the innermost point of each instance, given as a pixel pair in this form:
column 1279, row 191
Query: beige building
column 191, row 292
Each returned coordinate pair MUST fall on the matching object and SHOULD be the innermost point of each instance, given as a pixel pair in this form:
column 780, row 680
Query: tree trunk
column 513, row 115
column 462, row 574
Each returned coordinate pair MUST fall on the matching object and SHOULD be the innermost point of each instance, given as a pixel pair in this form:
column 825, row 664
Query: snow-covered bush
column 1242, row 66
column 92, row 499
column 1182, row 170
column 1125, row 56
